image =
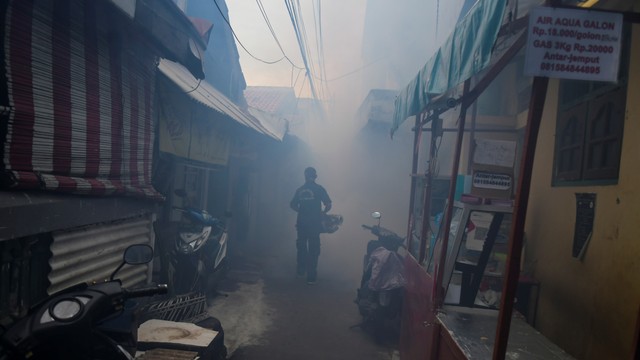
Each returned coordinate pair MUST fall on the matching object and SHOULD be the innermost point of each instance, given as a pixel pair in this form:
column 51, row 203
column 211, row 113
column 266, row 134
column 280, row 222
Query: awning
column 277, row 125
column 465, row 53
column 204, row 93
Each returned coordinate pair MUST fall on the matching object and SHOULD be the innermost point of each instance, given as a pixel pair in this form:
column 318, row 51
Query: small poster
column 495, row 152
column 573, row 44
column 585, row 216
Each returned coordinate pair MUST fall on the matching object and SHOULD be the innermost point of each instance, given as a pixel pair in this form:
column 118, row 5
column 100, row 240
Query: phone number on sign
column 586, row 69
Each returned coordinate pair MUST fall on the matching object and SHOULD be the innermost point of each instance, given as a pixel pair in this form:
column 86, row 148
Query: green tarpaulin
column 465, row 53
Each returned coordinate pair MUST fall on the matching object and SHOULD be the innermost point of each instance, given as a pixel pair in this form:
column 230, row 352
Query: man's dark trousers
column 308, row 245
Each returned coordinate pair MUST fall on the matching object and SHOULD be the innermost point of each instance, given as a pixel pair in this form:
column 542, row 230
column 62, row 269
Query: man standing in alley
column 308, row 202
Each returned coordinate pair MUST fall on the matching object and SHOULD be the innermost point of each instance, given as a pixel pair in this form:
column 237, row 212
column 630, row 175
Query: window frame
column 584, row 106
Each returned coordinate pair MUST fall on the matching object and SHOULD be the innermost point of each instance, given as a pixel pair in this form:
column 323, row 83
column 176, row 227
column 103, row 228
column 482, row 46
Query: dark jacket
column 308, row 201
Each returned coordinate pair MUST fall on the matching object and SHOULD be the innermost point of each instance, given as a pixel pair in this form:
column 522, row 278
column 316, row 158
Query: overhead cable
column 298, row 27
column 273, row 33
column 239, row 42
column 320, row 43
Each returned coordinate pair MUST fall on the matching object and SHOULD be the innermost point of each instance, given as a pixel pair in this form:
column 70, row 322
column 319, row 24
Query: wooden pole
column 425, row 230
column 452, row 191
column 414, row 172
column 510, row 282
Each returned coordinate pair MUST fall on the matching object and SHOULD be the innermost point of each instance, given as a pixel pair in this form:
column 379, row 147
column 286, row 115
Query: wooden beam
column 510, row 282
column 417, row 136
column 452, row 190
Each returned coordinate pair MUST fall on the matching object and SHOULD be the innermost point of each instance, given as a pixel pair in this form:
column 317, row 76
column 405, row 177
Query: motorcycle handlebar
column 382, row 232
column 146, row 291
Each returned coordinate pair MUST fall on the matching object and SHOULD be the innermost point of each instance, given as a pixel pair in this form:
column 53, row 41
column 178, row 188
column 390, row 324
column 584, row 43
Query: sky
column 342, row 23
column 401, row 36
column 342, row 26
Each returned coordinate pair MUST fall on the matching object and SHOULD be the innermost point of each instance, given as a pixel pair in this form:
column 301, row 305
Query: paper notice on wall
column 495, row 152
column 573, row 44
column 477, row 230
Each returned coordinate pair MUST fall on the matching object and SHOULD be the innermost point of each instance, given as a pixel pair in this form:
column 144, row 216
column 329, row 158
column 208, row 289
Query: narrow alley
column 268, row 313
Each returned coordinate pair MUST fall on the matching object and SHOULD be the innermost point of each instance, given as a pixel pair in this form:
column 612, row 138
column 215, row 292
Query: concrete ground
column 268, row 313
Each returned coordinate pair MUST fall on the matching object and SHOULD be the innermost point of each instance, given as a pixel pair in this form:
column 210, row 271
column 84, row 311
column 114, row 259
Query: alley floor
column 268, row 313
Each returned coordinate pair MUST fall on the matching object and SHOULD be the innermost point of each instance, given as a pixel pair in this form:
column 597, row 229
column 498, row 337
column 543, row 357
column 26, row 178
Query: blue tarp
column 466, row 52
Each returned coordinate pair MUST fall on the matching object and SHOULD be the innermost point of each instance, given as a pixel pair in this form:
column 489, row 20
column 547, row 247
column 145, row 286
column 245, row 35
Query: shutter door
column 80, row 81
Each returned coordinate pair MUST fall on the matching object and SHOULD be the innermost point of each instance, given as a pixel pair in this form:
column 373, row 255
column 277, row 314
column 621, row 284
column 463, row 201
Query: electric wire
column 303, row 33
column 298, row 28
column 293, row 83
column 273, row 33
column 353, row 71
column 320, row 46
column 240, row 42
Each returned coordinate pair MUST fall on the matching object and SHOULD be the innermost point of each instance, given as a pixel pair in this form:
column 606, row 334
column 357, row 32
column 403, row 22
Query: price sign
column 573, row 44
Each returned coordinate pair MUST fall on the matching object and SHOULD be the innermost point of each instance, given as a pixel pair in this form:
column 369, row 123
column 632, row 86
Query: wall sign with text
column 573, row 44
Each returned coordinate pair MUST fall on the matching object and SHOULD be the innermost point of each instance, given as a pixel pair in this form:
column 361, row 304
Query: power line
column 239, row 42
column 294, row 82
column 353, row 71
column 317, row 20
column 320, row 42
column 266, row 19
column 298, row 27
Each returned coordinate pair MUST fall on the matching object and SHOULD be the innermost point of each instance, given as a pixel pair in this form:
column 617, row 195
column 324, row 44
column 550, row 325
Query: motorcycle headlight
column 67, row 309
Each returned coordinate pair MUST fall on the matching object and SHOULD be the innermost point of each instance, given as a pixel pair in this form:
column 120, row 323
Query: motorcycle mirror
column 376, row 215
column 137, row 254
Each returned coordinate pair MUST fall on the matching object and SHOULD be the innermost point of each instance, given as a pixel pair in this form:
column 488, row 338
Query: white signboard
column 573, row 44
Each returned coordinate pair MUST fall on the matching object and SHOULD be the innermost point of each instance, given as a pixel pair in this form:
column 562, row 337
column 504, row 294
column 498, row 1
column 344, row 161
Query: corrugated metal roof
column 271, row 99
column 204, row 93
column 276, row 124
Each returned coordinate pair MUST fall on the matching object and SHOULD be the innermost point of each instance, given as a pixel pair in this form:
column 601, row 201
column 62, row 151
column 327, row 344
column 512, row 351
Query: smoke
column 363, row 169
column 368, row 44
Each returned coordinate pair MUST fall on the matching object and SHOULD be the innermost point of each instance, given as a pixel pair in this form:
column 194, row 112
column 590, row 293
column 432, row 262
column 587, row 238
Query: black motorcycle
column 199, row 255
column 67, row 325
column 379, row 297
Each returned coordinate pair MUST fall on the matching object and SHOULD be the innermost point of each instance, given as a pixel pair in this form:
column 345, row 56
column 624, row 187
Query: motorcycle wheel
column 214, row 278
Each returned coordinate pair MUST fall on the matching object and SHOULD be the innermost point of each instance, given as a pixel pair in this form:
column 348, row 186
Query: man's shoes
column 311, row 282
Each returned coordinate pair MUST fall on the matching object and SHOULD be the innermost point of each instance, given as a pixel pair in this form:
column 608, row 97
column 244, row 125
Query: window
column 589, row 129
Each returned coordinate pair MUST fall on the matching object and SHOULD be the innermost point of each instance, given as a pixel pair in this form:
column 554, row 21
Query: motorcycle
column 67, row 325
column 379, row 297
column 198, row 261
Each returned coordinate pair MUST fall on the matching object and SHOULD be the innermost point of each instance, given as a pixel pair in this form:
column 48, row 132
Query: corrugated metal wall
column 92, row 253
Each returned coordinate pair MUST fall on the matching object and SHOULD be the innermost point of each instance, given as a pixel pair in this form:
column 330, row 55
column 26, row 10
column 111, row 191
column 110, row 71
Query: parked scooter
column 379, row 297
column 66, row 325
column 199, row 254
